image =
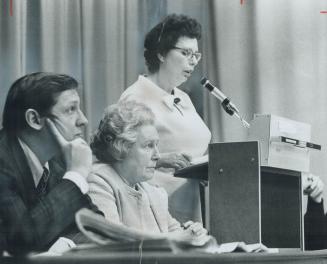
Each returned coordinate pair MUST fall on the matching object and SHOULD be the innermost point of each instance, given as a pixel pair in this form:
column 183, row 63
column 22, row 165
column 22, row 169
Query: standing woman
column 171, row 54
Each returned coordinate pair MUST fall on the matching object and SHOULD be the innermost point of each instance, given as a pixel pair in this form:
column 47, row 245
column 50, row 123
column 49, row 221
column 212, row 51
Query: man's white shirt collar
column 33, row 162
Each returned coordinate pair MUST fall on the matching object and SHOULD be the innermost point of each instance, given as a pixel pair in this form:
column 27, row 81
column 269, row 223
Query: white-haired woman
column 126, row 146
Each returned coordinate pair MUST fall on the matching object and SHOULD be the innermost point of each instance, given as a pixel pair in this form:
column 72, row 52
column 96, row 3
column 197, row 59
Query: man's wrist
column 78, row 179
column 317, row 199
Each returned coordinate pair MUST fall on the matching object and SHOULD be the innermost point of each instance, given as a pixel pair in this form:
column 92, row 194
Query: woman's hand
column 194, row 233
column 196, row 229
column 313, row 186
column 173, row 160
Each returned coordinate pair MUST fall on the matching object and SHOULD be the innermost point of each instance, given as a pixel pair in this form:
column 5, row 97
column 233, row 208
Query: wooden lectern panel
column 281, row 208
column 251, row 203
column 234, row 191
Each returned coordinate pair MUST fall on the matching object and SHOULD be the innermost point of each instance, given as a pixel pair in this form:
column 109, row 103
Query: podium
column 251, row 203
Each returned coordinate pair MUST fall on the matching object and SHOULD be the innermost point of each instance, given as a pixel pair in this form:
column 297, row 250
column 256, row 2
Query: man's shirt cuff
column 79, row 180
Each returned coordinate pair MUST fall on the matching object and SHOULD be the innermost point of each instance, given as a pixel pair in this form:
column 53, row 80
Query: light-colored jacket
column 144, row 209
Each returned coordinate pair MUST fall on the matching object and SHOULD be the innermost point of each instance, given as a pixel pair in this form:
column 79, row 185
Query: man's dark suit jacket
column 31, row 223
column 315, row 226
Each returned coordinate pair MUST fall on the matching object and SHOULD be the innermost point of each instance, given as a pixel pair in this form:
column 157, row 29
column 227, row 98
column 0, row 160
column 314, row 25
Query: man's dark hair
column 38, row 91
column 164, row 36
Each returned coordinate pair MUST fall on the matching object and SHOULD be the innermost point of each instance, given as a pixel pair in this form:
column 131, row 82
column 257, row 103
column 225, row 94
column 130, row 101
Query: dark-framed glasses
column 189, row 54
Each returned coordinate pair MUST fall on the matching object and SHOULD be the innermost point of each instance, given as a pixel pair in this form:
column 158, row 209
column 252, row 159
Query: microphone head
column 206, row 83
column 203, row 80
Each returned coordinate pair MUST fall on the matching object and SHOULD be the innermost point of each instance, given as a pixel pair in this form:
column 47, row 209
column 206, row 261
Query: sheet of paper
column 199, row 160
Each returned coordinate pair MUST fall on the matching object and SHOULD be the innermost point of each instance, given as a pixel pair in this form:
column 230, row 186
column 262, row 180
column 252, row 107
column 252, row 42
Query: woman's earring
column 108, row 138
column 161, row 58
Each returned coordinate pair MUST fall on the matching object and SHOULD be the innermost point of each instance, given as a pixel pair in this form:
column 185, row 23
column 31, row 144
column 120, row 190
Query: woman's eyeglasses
column 189, row 54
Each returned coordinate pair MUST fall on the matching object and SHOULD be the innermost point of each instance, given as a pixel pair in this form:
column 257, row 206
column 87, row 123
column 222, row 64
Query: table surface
column 100, row 256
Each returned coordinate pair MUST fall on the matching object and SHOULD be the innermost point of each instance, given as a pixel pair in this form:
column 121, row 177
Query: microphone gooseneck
column 226, row 103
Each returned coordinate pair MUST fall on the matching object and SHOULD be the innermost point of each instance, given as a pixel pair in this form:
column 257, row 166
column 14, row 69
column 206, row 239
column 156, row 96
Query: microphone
column 229, row 107
column 226, row 103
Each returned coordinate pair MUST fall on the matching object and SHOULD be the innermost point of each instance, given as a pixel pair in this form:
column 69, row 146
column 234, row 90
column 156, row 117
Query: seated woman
column 126, row 146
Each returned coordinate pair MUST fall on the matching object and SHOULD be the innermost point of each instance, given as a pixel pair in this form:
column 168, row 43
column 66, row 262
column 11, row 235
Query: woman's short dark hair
column 118, row 129
column 38, row 91
column 164, row 36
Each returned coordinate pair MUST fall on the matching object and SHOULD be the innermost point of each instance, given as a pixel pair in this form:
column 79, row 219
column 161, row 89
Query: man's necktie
column 42, row 186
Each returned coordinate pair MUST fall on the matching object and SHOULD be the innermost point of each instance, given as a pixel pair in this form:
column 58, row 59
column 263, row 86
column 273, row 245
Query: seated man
column 44, row 162
column 315, row 220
